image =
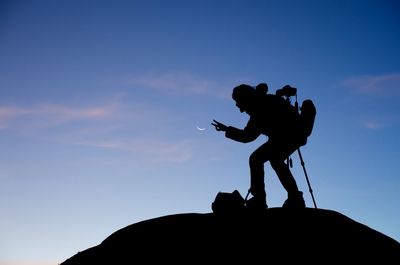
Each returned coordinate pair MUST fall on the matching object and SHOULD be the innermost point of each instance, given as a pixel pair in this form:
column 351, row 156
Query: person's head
column 243, row 95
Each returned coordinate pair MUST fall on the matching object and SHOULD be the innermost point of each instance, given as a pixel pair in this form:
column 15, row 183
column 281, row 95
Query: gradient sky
column 100, row 101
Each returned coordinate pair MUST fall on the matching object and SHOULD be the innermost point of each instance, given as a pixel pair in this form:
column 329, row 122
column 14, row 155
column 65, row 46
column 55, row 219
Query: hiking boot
column 256, row 204
column 295, row 201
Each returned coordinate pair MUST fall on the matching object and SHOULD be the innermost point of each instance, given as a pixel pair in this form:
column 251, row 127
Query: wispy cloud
column 373, row 125
column 150, row 149
column 387, row 84
column 137, row 128
column 177, row 83
column 380, row 94
column 45, row 115
column 383, row 121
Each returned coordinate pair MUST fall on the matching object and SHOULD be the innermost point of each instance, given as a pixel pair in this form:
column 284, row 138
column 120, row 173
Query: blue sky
column 100, row 101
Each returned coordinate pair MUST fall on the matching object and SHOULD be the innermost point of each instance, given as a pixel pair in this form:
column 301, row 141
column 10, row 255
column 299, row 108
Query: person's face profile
column 241, row 105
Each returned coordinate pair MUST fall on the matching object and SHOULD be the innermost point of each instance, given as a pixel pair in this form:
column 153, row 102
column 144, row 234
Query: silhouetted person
column 276, row 118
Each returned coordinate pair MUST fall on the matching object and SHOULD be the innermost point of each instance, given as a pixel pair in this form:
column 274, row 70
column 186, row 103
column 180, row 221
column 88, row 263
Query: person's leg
column 295, row 197
column 285, row 176
column 256, row 162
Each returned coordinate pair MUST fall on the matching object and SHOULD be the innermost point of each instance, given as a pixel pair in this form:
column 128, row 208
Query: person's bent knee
column 254, row 160
column 277, row 164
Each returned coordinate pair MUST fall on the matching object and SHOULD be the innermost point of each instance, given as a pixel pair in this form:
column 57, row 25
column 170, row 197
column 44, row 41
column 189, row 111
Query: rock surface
column 308, row 236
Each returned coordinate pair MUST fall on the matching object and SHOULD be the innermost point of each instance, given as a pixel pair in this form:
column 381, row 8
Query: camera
column 286, row 91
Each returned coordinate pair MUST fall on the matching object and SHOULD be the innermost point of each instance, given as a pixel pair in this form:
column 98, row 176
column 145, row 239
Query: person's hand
column 219, row 126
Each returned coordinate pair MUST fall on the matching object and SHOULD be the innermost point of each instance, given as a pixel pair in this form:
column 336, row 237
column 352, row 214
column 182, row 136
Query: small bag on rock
column 228, row 202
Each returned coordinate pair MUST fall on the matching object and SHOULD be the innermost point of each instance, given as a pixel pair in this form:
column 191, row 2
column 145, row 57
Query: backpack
column 228, row 202
column 307, row 112
column 307, row 116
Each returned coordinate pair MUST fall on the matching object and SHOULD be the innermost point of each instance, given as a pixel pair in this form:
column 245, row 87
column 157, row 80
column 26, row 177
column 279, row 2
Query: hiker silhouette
column 271, row 115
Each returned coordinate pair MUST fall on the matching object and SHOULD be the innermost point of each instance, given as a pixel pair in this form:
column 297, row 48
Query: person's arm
column 246, row 135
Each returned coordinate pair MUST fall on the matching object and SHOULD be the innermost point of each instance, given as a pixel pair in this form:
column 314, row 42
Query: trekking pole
column 247, row 195
column 305, row 173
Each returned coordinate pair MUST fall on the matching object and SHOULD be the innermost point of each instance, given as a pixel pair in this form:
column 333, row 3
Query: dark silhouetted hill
column 307, row 236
